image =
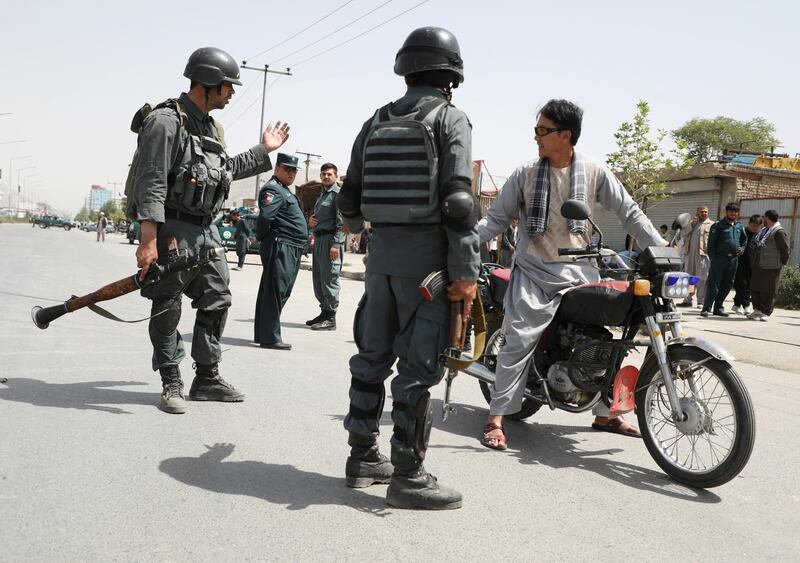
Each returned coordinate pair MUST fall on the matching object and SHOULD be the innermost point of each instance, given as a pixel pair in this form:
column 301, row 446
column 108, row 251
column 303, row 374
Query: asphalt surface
column 91, row 470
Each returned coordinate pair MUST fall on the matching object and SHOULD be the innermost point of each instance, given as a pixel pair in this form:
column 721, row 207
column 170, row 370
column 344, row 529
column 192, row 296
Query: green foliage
column 640, row 161
column 706, row 138
column 788, row 296
column 112, row 211
column 82, row 215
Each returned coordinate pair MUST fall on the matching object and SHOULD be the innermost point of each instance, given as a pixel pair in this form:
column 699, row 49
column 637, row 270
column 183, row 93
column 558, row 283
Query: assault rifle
column 43, row 316
column 451, row 358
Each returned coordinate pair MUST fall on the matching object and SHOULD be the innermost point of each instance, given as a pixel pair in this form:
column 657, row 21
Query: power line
column 359, row 35
column 235, row 119
column 361, row 17
column 301, row 31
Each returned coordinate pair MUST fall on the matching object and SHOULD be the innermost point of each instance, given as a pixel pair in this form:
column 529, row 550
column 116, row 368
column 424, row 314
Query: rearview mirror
column 575, row 210
column 681, row 221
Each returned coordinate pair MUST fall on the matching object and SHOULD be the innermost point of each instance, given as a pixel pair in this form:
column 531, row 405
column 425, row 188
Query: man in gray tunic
column 326, row 223
column 535, row 192
column 696, row 260
column 409, row 175
column 182, row 179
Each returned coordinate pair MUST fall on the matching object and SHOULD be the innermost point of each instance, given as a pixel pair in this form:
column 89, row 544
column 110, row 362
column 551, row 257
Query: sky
column 73, row 73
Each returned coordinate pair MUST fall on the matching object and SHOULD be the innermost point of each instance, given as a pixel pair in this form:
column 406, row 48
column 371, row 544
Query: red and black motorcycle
column 695, row 414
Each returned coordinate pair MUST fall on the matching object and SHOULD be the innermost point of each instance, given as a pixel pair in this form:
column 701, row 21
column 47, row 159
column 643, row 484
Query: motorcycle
column 694, row 412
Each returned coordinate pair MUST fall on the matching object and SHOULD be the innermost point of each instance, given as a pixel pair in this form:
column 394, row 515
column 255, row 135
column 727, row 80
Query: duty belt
column 200, row 220
column 321, row 233
column 284, row 240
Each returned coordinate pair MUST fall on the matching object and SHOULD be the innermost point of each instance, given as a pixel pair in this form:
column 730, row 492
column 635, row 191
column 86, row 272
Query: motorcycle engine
column 563, row 389
column 588, row 352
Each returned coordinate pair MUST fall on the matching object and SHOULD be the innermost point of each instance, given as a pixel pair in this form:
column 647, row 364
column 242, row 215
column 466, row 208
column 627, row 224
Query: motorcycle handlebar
column 575, row 251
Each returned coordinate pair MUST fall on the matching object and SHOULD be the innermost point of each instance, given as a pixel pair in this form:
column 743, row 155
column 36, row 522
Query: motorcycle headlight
column 675, row 285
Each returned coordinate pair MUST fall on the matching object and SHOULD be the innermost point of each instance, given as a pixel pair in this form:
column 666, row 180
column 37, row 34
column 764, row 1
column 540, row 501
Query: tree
column 640, row 162
column 82, row 215
column 112, row 211
column 706, row 138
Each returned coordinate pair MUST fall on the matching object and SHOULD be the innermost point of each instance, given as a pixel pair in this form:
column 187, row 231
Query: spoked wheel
column 714, row 441
column 489, row 359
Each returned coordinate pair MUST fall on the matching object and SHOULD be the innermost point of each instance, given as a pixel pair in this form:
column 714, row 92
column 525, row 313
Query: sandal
column 494, row 441
column 618, row 425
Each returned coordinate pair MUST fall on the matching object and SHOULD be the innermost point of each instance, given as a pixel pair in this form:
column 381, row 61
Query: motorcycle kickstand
column 447, row 408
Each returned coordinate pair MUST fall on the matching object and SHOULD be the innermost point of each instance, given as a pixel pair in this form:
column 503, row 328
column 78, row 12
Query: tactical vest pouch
column 401, row 168
column 203, row 182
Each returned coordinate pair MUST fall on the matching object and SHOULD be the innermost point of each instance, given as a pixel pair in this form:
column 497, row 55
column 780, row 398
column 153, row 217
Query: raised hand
column 274, row 137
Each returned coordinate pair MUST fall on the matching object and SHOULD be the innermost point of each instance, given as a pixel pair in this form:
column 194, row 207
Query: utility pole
column 266, row 71
column 308, row 160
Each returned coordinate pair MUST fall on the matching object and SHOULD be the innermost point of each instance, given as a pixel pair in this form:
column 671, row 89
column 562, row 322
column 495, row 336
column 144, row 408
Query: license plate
column 672, row 317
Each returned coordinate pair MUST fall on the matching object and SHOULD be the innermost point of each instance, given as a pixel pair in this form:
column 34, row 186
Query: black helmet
column 210, row 66
column 430, row 48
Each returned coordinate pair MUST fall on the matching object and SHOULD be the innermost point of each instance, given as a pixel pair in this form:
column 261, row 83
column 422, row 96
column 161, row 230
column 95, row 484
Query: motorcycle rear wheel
column 714, row 444
column 529, row 407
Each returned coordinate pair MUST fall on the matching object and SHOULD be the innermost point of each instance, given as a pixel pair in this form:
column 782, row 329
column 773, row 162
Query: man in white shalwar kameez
column 535, row 192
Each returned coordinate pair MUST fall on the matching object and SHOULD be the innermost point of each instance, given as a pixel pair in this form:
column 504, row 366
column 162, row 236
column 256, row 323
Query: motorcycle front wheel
column 489, row 359
column 714, row 442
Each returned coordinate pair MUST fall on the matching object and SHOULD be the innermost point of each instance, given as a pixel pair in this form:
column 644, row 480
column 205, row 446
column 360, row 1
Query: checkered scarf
column 540, row 198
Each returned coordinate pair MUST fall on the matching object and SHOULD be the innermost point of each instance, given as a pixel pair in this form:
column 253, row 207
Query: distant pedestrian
column 771, row 253
column 741, row 283
column 726, row 242
column 508, row 244
column 102, row 223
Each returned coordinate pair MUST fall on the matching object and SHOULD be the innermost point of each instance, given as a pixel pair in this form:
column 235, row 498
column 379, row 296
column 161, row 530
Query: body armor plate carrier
column 401, row 167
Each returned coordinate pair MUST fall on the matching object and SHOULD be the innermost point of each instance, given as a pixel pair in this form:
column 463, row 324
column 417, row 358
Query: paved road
column 91, row 470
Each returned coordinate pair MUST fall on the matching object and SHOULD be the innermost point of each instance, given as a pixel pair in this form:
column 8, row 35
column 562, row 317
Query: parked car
column 227, row 231
column 89, row 227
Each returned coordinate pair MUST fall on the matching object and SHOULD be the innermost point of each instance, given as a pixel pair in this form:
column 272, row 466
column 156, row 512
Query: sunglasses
column 542, row 131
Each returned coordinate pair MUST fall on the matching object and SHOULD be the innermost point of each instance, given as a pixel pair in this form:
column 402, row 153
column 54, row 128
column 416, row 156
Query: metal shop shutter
column 660, row 213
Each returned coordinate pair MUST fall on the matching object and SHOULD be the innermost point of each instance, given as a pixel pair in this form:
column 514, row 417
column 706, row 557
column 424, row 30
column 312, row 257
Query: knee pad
column 213, row 320
column 166, row 315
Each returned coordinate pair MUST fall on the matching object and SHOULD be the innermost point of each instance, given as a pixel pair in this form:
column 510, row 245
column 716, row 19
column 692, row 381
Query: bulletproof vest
column 199, row 182
column 400, row 181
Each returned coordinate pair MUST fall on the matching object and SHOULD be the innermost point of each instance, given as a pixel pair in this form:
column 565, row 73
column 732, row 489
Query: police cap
column 287, row 160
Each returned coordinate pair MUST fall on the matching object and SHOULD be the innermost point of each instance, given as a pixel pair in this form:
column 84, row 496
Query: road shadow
column 556, row 447
column 86, row 395
column 275, row 483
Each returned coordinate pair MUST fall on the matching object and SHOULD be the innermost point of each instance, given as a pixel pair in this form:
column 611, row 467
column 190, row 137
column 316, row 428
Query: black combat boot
column 316, row 319
column 366, row 465
column 328, row 321
column 411, row 485
column 209, row 386
column 172, row 400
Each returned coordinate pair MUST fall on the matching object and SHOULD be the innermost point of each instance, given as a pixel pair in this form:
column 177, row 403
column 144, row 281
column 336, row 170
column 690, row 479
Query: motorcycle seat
column 498, row 281
column 598, row 304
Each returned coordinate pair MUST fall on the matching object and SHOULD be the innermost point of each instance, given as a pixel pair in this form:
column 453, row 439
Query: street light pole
column 20, row 171
column 11, row 174
column 266, row 71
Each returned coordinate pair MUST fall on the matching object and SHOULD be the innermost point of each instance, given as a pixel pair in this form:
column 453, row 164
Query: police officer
column 409, row 175
column 282, row 230
column 181, row 180
column 242, row 235
column 326, row 223
column 726, row 242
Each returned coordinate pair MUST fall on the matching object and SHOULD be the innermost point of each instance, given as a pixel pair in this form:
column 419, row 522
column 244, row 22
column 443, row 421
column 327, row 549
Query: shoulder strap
column 383, row 113
column 426, row 108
